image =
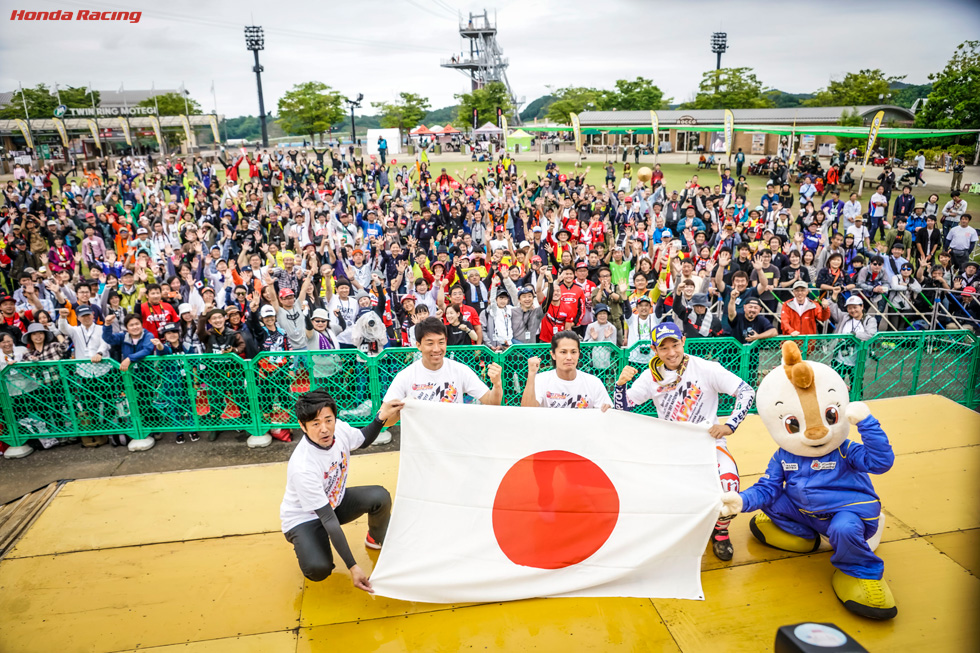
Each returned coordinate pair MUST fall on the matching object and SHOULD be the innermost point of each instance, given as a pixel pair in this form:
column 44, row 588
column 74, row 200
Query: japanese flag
column 501, row 503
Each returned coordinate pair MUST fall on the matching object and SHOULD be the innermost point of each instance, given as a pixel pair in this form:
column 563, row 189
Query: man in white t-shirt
column 685, row 388
column 317, row 500
column 876, row 213
column 434, row 378
column 565, row 386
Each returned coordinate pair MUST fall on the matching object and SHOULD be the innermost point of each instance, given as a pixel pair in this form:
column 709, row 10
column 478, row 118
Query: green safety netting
column 225, row 392
column 66, row 399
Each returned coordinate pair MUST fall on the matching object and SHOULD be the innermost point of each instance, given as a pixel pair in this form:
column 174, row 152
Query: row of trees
column 42, row 101
column 313, row 108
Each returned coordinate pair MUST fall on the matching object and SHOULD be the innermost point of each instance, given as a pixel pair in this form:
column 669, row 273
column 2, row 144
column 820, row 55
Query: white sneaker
column 383, row 438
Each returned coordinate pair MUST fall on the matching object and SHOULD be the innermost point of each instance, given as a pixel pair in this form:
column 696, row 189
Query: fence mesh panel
column 199, row 392
column 281, row 378
column 65, row 399
column 899, row 364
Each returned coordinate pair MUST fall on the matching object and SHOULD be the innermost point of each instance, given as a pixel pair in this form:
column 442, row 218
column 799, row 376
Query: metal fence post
column 253, row 397
column 134, row 407
column 919, row 347
column 11, row 427
column 861, row 351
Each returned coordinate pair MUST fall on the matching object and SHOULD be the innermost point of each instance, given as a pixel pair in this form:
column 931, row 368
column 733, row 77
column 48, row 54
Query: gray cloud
column 380, row 47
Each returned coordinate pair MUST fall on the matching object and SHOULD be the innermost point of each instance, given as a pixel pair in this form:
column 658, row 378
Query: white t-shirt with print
column 348, row 309
column 694, row 399
column 584, row 391
column 316, row 476
column 448, row 384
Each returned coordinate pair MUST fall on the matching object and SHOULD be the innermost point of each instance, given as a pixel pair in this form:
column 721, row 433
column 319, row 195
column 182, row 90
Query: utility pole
column 255, row 41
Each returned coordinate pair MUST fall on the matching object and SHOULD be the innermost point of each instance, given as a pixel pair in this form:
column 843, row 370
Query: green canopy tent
column 519, row 138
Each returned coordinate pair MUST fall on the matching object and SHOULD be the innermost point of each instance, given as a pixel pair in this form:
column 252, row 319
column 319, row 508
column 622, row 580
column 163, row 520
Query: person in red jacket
column 565, row 306
column 154, row 312
column 800, row 315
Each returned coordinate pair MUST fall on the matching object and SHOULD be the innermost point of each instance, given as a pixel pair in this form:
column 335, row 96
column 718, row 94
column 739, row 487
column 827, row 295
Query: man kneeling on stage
column 317, row 499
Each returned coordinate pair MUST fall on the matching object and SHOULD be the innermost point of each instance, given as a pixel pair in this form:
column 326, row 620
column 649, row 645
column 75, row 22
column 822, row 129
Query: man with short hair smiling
column 685, row 388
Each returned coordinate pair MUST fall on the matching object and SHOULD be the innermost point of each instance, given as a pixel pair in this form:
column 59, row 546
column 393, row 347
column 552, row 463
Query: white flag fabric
column 503, row 503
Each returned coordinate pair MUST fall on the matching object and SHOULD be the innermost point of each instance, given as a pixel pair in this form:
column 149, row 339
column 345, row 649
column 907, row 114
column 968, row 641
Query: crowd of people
column 285, row 250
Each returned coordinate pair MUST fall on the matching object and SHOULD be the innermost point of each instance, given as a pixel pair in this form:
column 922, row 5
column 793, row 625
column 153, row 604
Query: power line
column 426, row 10
column 289, row 32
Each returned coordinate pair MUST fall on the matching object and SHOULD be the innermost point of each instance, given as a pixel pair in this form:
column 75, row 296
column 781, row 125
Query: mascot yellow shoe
column 817, row 483
column 771, row 535
column 865, row 596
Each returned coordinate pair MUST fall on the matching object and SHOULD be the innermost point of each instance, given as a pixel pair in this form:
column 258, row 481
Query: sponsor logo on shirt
column 565, row 400
column 682, row 404
column 790, row 467
column 816, row 465
column 335, row 479
column 445, row 393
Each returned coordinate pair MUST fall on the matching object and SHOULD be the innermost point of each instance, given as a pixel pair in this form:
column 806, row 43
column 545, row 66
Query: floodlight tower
column 719, row 44
column 255, row 41
column 353, row 104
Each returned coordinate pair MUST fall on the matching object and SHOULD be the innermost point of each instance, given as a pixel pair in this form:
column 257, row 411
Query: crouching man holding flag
column 317, row 500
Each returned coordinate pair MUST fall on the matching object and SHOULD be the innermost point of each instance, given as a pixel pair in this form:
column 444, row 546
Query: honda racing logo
column 131, row 16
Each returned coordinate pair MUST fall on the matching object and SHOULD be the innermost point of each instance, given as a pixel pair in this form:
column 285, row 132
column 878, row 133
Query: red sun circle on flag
column 554, row 509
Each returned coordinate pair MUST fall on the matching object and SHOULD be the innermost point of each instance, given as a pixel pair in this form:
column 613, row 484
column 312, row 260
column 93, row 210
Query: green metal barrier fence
column 211, row 392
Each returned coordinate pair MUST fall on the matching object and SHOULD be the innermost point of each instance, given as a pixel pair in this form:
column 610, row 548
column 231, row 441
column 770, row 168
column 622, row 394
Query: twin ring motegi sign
column 113, row 111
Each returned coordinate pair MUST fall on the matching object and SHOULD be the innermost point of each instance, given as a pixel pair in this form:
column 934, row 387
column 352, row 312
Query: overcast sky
column 381, row 47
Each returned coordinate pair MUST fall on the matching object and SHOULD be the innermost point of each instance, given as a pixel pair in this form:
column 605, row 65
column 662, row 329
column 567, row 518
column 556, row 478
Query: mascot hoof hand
column 771, row 535
column 731, row 504
column 857, row 411
column 865, row 596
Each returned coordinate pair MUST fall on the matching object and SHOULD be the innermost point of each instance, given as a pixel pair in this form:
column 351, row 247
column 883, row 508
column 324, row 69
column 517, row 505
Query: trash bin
column 411, row 150
column 437, row 149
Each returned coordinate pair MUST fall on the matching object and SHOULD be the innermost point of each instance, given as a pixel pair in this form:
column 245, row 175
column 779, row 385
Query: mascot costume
column 817, row 482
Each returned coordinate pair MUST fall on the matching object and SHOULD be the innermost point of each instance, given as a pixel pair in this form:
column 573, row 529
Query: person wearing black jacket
column 317, row 500
column 215, row 335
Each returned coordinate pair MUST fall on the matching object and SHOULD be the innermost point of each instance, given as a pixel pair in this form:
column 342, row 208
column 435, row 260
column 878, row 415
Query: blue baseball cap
column 667, row 330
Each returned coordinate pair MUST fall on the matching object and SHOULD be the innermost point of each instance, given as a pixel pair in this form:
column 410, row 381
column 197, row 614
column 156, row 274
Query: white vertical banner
column 530, row 502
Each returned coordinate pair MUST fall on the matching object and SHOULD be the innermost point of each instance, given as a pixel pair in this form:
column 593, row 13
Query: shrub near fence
column 211, row 392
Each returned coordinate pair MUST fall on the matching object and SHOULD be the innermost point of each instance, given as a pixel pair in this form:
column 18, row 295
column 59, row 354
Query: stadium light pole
column 255, row 41
column 353, row 104
column 719, row 44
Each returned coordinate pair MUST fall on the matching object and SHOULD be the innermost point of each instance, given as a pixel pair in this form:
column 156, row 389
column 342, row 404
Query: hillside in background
column 904, row 95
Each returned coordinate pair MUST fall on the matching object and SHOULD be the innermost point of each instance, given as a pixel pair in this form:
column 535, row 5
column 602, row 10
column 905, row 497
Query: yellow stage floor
column 194, row 561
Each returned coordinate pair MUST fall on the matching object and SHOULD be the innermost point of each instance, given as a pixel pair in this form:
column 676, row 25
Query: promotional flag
column 577, row 129
column 476, row 118
column 157, row 131
column 729, row 132
column 655, row 120
column 125, row 130
column 538, row 502
column 872, row 135
column 503, row 126
column 94, row 128
column 187, row 128
column 213, row 120
column 59, row 125
column 25, row 131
